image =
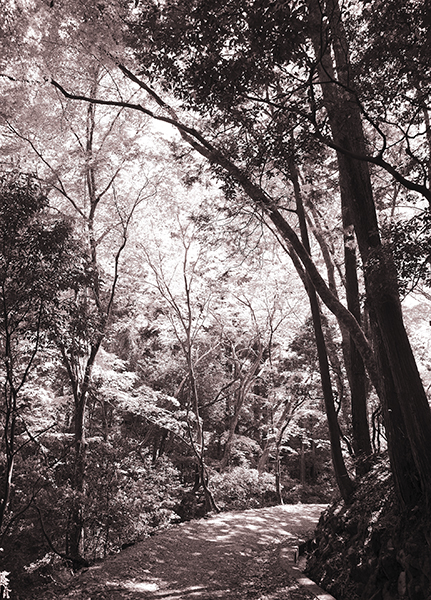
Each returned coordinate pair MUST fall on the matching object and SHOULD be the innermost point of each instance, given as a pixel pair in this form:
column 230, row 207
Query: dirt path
column 231, row 556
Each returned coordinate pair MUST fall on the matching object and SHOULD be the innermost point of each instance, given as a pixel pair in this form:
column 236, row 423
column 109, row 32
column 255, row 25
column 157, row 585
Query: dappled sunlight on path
column 231, row 556
column 259, row 526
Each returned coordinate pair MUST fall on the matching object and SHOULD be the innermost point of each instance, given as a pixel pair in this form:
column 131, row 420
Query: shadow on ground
column 231, row 555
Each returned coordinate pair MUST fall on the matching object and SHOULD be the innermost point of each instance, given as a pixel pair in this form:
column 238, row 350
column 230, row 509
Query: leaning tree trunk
column 344, row 482
column 353, row 362
column 407, row 396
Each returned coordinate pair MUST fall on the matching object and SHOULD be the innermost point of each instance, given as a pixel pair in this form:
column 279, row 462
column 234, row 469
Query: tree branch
column 262, row 199
column 77, row 560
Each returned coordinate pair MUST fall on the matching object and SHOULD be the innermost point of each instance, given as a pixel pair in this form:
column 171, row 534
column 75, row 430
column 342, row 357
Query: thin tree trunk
column 353, row 362
column 263, row 459
column 278, row 486
column 241, row 393
column 76, row 536
column 313, row 462
column 344, row 482
column 9, row 441
column 11, row 389
column 302, row 463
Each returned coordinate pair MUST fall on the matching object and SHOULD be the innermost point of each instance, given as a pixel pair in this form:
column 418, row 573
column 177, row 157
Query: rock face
column 372, row 549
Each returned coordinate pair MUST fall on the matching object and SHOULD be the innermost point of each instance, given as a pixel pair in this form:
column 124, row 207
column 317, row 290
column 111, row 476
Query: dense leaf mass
column 411, row 245
column 158, row 360
column 214, row 55
column 39, row 257
column 397, row 62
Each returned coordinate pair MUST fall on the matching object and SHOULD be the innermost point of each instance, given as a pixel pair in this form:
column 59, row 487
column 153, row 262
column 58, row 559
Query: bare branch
column 60, row 188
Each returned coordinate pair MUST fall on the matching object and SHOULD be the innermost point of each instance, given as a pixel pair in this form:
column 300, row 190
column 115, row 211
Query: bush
column 242, row 488
column 319, row 493
column 129, row 496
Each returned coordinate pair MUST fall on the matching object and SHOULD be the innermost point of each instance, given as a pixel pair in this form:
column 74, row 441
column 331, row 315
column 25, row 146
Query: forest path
column 237, row 555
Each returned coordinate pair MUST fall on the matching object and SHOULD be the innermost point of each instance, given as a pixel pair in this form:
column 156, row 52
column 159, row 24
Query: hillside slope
column 372, row 549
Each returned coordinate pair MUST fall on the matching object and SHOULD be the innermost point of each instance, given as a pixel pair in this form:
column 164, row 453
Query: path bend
column 237, row 555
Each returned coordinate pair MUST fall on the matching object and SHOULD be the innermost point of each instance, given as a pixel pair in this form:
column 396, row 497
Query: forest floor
column 244, row 556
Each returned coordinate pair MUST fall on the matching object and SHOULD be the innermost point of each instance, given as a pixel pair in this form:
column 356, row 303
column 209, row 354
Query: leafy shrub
column 244, row 451
column 129, row 496
column 319, row 493
column 241, row 488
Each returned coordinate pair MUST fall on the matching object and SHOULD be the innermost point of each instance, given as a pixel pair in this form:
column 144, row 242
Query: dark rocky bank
column 372, row 549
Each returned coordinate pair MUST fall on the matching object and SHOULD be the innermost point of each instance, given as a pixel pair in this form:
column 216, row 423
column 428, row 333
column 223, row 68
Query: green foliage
column 308, row 493
column 244, row 452
column 139, row 459
column 37, row 267
column 4, row 584
column 241, row 488
column 398, row 60
column 236, row 62
column 37, row 251
column 41, row 264
column 410, row 242
column 225, row 48
column 128, row 495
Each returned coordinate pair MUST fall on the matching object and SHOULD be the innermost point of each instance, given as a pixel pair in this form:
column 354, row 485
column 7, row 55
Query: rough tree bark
column 409, row 413
column 353, row 361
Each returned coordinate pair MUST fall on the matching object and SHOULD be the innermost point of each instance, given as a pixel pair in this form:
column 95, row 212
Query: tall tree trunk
column 278, row 486
column 76, row 534
column 302, row 463
column 264, row 457
column 406, row 477
column 9, row 443
column 344, row 482
column 313, row 462
column 407, row 396
column 354, row 364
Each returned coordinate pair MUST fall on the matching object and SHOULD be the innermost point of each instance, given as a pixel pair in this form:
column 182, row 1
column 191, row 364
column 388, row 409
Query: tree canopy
column 211, row 213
